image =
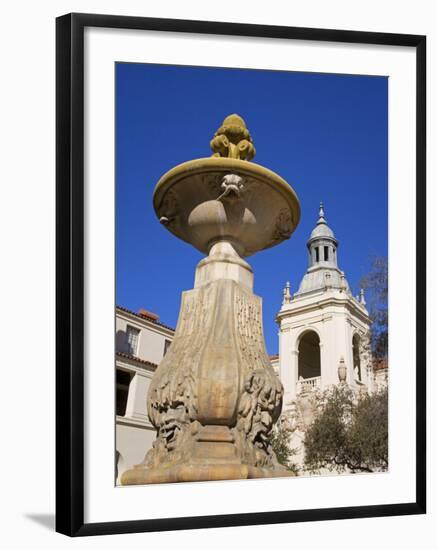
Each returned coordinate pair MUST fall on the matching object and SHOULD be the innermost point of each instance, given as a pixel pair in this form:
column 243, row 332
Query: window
column 317, row 254
column 123, row 380
column 132, row 335
column 166, row 345
column 326, row 252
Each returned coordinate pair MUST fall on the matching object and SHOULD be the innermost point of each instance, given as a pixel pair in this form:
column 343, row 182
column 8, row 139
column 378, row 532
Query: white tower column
column 330, row 350
column 288, row 357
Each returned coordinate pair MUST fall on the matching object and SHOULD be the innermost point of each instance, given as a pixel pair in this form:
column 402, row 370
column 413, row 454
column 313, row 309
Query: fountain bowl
column 208, row 200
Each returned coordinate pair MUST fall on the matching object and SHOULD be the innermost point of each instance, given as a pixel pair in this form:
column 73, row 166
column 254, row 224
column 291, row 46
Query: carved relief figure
column 259, row 408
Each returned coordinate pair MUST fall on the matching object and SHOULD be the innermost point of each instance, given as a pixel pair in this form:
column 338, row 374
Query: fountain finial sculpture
column 214, row 397
column 233, row 140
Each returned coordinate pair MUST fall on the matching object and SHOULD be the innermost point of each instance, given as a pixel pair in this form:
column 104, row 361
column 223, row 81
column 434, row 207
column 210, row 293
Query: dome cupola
column 322, row 245
column 323, row 271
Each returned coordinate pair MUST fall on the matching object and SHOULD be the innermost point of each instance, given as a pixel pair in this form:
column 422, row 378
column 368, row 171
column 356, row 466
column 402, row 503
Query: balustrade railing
column 308, row 384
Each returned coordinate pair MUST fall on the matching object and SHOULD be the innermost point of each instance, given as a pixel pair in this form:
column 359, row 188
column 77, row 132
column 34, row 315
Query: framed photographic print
column 240, row 274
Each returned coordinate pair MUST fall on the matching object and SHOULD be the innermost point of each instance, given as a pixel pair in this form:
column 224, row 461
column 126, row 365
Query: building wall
column 152, row 337
column 134, row 433
column 274, row 361
column 133, row 440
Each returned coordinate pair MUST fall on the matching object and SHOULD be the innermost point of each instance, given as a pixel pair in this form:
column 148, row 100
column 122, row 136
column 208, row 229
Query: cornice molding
column 319, row 303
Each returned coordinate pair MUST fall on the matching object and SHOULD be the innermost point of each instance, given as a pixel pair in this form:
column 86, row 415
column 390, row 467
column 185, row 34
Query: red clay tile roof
column 273, row 357
column 134, row 358
column 143, row 316
column 148, row 315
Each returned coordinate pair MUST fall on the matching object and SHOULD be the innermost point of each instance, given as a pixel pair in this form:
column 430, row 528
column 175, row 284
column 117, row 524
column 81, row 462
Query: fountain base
column 214, row 458
column 199, row 472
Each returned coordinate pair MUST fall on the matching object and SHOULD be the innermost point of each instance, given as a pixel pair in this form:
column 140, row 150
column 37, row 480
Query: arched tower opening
column 309, row 356
column 356, row 356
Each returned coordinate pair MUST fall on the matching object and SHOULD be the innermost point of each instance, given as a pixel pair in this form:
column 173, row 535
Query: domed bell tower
column 323, row 324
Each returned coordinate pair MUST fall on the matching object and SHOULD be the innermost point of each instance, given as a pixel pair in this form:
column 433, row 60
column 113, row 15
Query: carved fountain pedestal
column 214, row 397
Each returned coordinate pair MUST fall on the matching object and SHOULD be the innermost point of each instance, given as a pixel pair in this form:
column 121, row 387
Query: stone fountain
column 214, row 397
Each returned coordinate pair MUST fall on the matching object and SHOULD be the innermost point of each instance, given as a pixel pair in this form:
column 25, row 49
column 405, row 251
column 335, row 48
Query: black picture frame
column 70, row 273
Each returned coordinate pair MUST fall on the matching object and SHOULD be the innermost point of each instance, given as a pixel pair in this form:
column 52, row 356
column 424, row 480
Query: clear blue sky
column 325, row 134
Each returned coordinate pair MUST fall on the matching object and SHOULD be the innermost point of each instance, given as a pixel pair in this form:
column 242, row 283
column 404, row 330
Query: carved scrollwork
column 249, row 331
column 173, row 400
column 283, row 226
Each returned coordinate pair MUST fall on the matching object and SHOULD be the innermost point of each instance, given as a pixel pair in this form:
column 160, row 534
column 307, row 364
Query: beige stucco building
column 141, row 342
